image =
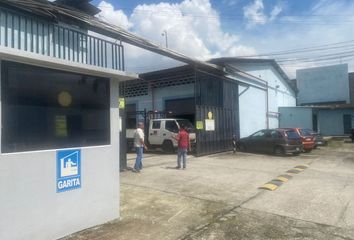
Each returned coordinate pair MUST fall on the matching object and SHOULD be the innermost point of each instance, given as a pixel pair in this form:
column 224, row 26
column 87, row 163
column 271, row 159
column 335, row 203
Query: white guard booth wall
column 30, row 205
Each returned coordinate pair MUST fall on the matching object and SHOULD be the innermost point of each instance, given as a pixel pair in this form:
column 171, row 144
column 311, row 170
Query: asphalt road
column 219, row 197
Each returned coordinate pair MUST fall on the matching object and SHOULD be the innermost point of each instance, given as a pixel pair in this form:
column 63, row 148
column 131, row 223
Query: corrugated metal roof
column 82, row 5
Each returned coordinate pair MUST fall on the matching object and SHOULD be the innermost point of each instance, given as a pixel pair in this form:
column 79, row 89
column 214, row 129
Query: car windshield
column 259, row 134
column 291, row 134
column 304, row 132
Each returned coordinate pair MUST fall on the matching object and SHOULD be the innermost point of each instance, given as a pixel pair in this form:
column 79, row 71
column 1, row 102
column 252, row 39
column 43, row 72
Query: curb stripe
column 300, row 169
column 288, row 176
column 295, row 171
column 281, row 179
column 302, row 166
column 269, row 186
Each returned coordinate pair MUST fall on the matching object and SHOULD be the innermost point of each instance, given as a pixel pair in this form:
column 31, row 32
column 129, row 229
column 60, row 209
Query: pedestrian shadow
column 126, row 169
column 173, row 168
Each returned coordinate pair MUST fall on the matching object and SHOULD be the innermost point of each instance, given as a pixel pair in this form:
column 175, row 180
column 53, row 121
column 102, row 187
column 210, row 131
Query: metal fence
column 218, row 96
column 30, row 34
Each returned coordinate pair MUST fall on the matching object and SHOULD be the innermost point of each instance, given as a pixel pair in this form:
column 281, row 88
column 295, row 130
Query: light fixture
column 64, row 99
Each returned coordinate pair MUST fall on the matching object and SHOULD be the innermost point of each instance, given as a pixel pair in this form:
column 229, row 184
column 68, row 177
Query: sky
column 297, row 33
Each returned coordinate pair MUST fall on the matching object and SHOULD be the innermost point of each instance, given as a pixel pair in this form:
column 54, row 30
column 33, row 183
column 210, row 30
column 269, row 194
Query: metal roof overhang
column 15, row 55
column 83, row 5
column 65, row 14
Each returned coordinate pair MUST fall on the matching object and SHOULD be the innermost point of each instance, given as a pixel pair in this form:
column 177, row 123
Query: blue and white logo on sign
column 68, row 170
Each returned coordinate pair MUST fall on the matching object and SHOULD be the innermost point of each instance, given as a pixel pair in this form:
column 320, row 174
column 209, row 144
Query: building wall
column 29, row 204
column 351, row 87
column 160, row 95
column 279, row 95
column 331, row 121
column 296, row 117
column 323, row 85
column 252, row 105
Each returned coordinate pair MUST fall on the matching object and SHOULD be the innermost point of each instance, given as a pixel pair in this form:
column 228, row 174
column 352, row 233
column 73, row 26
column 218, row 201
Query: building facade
column 259, row 100
column 325, row 101
column 240, row 100
column 59, row 159
column 328, row 120
column 323, row 85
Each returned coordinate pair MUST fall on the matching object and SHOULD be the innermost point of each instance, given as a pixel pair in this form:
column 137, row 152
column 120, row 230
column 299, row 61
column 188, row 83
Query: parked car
column 308, row 141
column 319, row 140
column 274, row 141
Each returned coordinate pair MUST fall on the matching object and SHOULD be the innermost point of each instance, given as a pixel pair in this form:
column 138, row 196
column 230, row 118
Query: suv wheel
column 279, row 151
column 167, row 146
column 241, row 147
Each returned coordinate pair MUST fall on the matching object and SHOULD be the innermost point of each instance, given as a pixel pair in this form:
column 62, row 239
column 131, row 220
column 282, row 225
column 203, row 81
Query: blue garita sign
column 68, row 170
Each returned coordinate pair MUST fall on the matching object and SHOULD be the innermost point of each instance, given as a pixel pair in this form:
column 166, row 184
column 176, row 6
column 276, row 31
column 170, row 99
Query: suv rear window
column 292, row 134
column 304, row 132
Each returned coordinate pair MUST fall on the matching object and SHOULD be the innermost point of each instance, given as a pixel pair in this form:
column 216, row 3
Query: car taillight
column 307, row 139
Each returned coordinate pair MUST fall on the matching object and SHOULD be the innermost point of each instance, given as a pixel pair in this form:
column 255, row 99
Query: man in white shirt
column 139, row 145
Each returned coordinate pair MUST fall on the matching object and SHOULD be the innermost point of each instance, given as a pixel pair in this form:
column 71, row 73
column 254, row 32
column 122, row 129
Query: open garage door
column 181, row 108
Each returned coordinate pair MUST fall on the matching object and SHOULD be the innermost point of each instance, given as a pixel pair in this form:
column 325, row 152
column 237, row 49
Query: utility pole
column 164, row 33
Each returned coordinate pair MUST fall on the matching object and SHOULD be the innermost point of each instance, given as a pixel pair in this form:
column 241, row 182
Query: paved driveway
column 218, row 197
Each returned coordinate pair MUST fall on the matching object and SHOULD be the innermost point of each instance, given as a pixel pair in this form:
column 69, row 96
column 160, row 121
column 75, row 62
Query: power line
column 288, row 19
column 327, row 46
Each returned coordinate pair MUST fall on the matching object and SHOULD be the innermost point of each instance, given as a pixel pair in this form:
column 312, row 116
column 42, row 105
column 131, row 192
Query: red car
column 307, row 139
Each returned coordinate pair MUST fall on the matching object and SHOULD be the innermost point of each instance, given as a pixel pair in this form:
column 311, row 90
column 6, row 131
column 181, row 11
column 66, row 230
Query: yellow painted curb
column 269, row 186
column 282, row 179
column 294, row 171
column 300, row 169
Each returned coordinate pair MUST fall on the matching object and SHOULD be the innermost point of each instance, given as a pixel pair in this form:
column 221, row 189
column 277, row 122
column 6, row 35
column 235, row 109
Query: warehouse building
column 325, row 101
column 243, row 95
column 59, row 112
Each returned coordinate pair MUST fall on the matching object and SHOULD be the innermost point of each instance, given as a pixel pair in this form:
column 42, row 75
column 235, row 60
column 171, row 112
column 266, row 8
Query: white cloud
column 275, row 12
column 116, row 17
column 323, row 23
column 193, row 28
column 255, row 15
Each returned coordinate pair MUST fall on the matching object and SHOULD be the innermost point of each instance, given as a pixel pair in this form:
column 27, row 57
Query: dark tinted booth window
column 47, row 109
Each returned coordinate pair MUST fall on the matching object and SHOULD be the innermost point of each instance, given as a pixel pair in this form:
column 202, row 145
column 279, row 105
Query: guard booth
column 59, row 147
column 205, row 96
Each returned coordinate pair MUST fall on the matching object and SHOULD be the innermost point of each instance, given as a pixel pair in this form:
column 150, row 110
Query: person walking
column 183, row 146
column 139, row 145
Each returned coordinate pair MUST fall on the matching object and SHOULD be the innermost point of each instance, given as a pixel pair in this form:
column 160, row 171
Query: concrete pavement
column 218, row 197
